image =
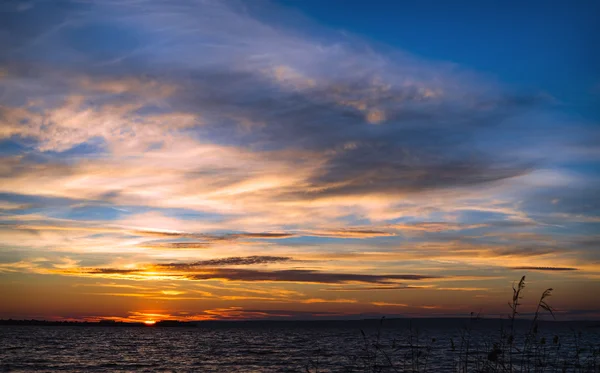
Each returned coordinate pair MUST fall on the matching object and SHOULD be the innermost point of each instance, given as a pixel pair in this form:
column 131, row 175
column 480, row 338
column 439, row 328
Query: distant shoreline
column 102, row 323
column 444, row 321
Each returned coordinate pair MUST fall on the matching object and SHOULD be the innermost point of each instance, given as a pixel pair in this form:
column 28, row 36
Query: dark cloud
column 167, row 234
column 262, row 235
column 177, row 245
column 15, row 166
column 371, row 288
column 210, row 237
column 301, row 275
column 207, row 239
column 349, row 233
column 238, row 313
column 421, row 145
column 109, row 271
column 442, row 226
column 437, row 226
column 390, row 168
column 197, row 271
column 546, row 268
column 292, row 313
column 524, row 251
column 247, row 260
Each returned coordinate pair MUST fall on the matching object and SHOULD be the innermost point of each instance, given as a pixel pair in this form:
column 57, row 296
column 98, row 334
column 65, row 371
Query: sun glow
column 149, row 322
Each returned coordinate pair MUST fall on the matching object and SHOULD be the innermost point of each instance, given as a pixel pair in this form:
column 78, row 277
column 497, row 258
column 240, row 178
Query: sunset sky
column 196, row 160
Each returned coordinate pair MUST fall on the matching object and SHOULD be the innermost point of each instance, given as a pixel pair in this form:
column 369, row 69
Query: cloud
column 200, row 273
column 262, row 235
column 9, row 206
column 176, row 245
column 302, row 275
column 420, row 144
column 248, row 260
column 545, row 268
column 320, row 300
column 386, row 304
column 209, row 237
column 436, row 226
column 107, row 271
column 524, row 252
column 348, row 233
column 387, row 169
column 371, row 288
column 240, row 313
column 337, row 233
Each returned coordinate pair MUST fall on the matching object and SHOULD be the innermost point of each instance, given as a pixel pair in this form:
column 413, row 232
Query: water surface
column 260, row 346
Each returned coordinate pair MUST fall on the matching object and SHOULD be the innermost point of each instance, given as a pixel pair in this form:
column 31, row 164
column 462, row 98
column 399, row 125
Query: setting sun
column 149, row 322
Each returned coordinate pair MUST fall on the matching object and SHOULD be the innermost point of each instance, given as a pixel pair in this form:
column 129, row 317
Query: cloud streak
column 199, row 273
column 550, row 269
column 301, row 275
column 249, row 260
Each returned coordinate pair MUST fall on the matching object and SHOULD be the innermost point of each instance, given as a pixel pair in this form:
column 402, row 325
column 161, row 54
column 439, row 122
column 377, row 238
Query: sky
column 207, row 160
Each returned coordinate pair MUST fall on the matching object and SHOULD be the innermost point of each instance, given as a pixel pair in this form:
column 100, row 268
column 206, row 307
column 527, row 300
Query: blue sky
column 203, row 158
column 535, row 44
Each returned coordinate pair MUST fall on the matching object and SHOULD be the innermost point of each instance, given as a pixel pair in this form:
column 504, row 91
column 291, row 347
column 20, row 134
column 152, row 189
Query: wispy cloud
column 248, row 260
column 199, row 273
column 545, row 268
column 386, row 304
column 215, row 142
column 301, row 275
